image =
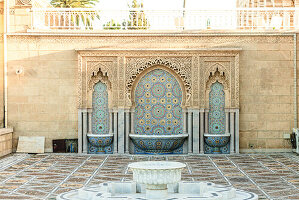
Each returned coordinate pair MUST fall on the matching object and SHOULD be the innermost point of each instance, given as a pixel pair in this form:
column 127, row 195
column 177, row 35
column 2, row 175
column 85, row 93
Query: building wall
column 42, row 101
column 1, row 61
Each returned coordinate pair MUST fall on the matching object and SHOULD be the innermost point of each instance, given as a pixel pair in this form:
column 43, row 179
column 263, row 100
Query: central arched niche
column 158, row 109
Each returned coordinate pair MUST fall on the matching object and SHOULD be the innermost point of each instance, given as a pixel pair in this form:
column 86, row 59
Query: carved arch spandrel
column 92, row 69
column 181, row 66
column 221, row 78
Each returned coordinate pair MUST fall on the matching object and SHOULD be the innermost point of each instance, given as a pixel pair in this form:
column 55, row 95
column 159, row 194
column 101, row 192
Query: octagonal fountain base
column 158, row 180
column 179, row 191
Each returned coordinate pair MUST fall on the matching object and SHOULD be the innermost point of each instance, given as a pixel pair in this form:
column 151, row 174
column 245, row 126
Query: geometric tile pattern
column 44, row 176
column 100, row 112
column 158, row 98
column 100, row 145
column 216, row 120
column 216, row 109
column 100, row 119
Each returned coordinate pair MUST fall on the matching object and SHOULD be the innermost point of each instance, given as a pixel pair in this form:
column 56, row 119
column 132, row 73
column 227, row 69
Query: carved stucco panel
column 181, row 65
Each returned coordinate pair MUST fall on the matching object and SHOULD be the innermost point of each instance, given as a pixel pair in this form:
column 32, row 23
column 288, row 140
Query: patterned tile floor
column 43, row 176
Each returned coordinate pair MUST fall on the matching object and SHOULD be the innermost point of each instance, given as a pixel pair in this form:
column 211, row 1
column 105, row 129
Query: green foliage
column 112, row 25
column 137, row 19
column 74, row 3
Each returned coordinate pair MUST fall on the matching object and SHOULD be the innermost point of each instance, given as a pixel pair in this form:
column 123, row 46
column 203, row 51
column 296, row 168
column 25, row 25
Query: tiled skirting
column 5, row 141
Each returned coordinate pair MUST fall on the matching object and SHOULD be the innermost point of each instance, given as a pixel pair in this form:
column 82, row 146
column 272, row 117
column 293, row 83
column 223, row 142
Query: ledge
column 137, row 33
column 4, row 131
column 170, row 49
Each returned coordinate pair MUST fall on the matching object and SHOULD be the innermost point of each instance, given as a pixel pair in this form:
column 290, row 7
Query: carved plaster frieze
column 121, row 70
column 180, row 65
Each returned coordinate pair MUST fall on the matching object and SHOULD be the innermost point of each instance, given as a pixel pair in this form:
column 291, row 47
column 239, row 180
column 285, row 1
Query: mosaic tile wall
column 217, row 115
column 216, row 109
column 158, row 98
column 100, row 112
column 100, row 118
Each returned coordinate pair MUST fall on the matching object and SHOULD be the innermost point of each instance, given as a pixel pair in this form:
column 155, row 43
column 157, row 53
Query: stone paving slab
column 44, row 176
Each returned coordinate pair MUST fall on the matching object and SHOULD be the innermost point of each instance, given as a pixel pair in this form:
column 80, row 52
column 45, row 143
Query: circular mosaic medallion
column 139, row 92
column 139, row 112
column 158, row 111
column 178, row 130
column 176, row 90
column 177, row 112
column 139, row 130
column 158, row 90
column 158, row 130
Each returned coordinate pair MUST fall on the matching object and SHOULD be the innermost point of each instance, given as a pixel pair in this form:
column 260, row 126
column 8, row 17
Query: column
column 85, row 130
column 226, row 121
column 206, row 121
column 237, row 140
column 80, row 131
column 121, row 131
column 115, row 129
column 232, row 131
column 127, row 114
column 190, row 131
column 110, row 122
column 196, row 131
column 89, row 114
column 201, row 138
column 132, row 121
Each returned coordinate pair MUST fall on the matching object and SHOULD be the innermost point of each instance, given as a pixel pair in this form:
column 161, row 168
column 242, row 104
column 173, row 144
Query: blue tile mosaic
column 216, row 118
column 158, row 98
column 100, row 117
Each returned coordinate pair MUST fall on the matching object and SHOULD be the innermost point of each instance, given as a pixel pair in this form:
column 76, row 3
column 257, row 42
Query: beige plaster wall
column 42, row 100
column 1, row 61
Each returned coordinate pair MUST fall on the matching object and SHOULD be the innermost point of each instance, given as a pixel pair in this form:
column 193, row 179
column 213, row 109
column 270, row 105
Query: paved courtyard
column 43, row 176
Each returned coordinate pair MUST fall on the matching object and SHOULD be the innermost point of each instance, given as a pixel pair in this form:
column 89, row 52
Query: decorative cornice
column 164, row 50
column 149, row 34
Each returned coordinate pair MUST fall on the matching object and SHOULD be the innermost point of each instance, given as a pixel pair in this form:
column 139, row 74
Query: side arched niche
column 217, row 74
column 95, row 78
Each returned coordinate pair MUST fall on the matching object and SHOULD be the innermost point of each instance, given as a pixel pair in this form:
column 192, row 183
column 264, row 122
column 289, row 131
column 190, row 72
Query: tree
column 137, row 18
column 80, row 18
column 73, row 3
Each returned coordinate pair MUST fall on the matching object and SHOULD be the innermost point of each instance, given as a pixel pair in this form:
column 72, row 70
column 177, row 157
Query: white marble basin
column 156, row 175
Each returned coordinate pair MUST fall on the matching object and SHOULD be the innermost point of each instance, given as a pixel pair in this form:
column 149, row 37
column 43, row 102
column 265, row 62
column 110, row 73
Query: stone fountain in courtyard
column 157, row 180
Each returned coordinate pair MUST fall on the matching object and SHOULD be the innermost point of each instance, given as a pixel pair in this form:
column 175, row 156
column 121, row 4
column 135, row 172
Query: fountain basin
column 100, row 140
column 216, row 140
column 158, row 144
column 156, row 175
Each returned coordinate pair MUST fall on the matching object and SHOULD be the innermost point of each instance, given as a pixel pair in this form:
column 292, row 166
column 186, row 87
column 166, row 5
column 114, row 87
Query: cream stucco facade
column 45, row 71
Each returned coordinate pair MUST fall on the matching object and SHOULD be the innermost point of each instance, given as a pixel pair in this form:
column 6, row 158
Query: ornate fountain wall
column 160, row 93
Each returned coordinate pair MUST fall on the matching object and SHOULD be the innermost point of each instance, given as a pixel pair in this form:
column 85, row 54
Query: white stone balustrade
column 89, row 19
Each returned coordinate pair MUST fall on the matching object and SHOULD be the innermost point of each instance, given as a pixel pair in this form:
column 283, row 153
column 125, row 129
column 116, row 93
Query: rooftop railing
column 141, row 19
